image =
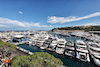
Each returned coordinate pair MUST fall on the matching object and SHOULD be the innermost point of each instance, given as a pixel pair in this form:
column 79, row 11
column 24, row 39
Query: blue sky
column 47, row 14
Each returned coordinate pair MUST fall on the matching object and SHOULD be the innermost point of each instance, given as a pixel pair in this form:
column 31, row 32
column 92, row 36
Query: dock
column 23, row 50
column 21, row 42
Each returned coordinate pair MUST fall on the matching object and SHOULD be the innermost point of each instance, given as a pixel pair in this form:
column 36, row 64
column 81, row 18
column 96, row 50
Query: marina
column 68, row 61
column 49, row 33
column 72, row 49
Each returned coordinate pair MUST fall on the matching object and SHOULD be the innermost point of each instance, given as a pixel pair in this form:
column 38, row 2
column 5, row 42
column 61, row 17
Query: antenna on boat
column 84, row 39
column 70, row 37
column 80, row 37
column 94, row 41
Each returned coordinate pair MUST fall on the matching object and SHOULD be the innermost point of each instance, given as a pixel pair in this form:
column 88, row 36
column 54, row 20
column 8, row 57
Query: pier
column 21, row 42
column 26, row 51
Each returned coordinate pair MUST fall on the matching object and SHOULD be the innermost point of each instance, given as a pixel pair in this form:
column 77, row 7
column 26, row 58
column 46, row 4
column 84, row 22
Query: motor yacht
column 40, row 43
column 34, row 41
column 41, row 40
column 82, row 51
column 94, row 49
column 19, row 38
column 61, row 46
column 46, row 43
column 70, row 49
column 53, row 44
column 65, row 34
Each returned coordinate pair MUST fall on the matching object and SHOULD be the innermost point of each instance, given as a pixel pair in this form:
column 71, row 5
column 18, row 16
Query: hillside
column 85, row 28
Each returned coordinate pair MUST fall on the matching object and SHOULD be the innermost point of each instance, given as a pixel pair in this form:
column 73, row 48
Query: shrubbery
column 12, row 46
column 38, row 59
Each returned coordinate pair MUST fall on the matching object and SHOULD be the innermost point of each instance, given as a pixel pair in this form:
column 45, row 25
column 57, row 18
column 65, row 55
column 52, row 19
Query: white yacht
column 70, row 49
column 41, row 40
column 46, row 43
column 82, row 51
column 94, row 49
column 53, row 44
column 65, row 34
column 40, row 43
column 61, row 46
column 29, row 42
column 34, row 41
column 19, row 38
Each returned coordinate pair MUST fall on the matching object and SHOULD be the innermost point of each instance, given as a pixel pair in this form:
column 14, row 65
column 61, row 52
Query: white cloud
column 51, row 26
column 11, row 23
column 54, row 19
column 20, row 12
column 5, row 22
column 89, row 24
column 3, row 25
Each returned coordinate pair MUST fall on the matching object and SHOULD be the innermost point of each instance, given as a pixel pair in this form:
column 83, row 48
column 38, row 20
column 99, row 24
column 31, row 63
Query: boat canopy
column 19, row 36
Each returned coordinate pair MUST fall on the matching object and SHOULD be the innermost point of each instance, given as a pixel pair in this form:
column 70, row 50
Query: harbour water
column 68, row 61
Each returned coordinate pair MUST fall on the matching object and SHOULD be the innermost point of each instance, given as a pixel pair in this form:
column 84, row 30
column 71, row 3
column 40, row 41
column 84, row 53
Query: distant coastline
column 20, row 30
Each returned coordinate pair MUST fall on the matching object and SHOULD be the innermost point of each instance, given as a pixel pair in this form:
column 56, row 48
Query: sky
column 47, row 14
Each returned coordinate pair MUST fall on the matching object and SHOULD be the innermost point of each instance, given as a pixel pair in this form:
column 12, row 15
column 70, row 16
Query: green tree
column 87, row 28
column 12, row 46
column 38, row 59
